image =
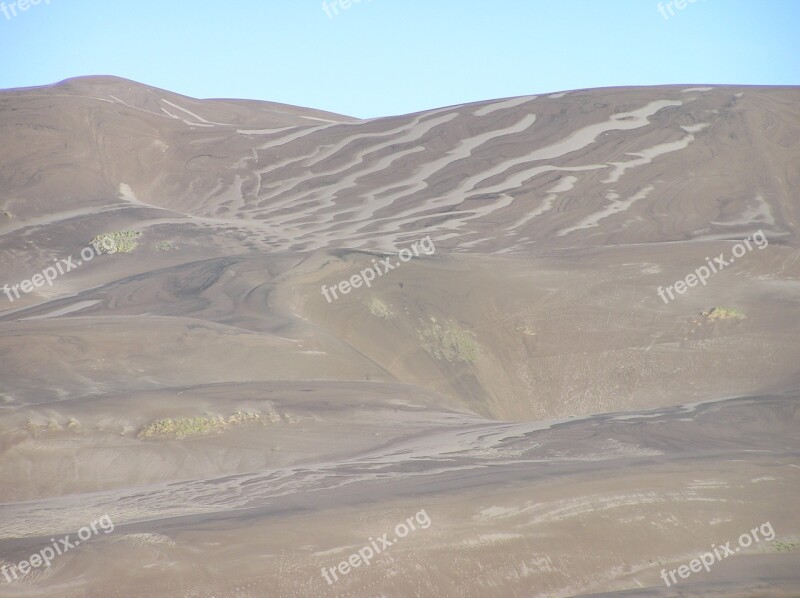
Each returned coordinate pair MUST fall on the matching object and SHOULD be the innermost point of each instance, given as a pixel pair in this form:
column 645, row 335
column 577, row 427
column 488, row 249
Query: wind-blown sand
column 567, row 432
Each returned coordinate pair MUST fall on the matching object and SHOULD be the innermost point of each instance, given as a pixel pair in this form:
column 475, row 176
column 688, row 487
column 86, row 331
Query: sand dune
column 567, row 431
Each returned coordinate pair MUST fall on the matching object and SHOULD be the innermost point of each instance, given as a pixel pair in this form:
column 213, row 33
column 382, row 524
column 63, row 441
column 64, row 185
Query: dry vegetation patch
column 205, row 424
column 448, row 342
column 723, row 313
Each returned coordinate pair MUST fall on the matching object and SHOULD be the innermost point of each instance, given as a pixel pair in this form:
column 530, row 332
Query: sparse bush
column 180, row 428
column 165, row 246
column 448, row 342
column 123, row 241
column 723, row 313
column 379, row 309
column 524, row 329
column 195, row 426
column 33, row 427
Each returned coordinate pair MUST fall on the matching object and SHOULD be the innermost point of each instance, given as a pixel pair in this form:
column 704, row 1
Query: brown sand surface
column 519, row 382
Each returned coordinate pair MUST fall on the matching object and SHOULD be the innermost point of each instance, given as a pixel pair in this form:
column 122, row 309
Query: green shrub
column 165, row 246
column 447, row 342
column 123, row 241
column 379, row 309
column 195, row 426
column 723, row 313
column 786, row 546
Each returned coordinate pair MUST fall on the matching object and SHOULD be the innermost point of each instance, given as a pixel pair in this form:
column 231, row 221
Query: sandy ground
column 564, row 431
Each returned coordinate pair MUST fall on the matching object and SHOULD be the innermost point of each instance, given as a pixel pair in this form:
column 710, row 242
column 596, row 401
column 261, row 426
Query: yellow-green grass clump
column 524, row 329
column 165, row 246
column 447, row 342
column 35, row 427
column 123, row 241
column 197, row 426
column 723, row 313
column 379, row 309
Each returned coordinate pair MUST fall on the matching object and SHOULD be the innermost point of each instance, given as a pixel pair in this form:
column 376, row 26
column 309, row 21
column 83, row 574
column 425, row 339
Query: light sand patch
column 193, row 115
column 497, row 538
column 504, row 105
column 577, row 140
column 761, row 213
column 184, row 121
column 617, row 206
column 148, row 539
column 494, row 512
column 646, row 157
column 565, row 184
column 325, row 120
column 78, row 306
column 303, row 132
column 263, row 131
column 465, row 148
column 412, row 132
column 696, row 128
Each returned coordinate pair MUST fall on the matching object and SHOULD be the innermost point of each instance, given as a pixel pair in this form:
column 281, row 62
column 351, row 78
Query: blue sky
column 383, row 57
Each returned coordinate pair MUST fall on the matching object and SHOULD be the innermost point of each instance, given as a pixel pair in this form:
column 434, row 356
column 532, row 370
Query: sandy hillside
column 210, row 369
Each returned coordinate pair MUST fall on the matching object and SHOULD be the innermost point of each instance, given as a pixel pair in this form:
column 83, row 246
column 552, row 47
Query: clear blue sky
column 383, row 57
